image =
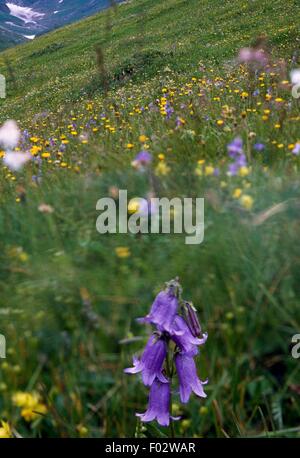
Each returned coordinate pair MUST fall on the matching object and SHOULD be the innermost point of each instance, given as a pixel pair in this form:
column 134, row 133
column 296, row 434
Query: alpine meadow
column 108, row 332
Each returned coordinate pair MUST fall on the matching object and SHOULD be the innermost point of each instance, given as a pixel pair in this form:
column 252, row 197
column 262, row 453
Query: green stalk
column 169, row 369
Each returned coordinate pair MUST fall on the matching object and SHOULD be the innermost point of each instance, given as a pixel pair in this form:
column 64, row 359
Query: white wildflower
column 9, row 135
column 16, row 160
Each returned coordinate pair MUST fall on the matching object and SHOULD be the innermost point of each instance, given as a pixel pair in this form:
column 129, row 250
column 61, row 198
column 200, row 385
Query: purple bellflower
column 142, row 159
column 188, row 379
column 235, row 148
column 174, row 320
column 184, row 339
column 236, row 153
column 163, row 310
column 159, row 404
column 296, row 150
column 259, row 147
column 151, row 362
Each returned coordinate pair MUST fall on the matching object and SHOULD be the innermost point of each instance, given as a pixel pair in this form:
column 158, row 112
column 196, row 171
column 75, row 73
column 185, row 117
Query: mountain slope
column 10, row 28
column 60, row 66
column 22, row 20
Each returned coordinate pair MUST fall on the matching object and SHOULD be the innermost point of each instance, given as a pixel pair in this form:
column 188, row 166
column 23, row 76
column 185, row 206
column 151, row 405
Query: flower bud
column 174, row 287
column 192, row 319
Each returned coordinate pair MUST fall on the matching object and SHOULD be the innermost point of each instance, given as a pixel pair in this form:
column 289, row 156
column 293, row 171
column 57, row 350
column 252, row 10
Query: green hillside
column 59, row 67
column 161, row 77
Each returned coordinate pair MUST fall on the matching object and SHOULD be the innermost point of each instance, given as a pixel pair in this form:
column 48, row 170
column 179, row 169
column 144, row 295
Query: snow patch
column 26, row 14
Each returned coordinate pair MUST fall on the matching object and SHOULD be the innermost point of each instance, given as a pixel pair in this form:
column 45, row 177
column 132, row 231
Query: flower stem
column 169, row 369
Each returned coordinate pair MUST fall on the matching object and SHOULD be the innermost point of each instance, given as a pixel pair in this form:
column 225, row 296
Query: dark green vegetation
column 68, row 295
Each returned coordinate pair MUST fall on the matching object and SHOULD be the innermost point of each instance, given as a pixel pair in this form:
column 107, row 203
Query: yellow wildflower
column 122, row 252
column 162, row 169
column 199, row 171
column 244, row 171
column 82, row 430
column 246, row 201
column 31, row 413
column 237, row 193
column 209, row 170
column 134, row 205
column 143, row 138
column 35, row 150
column 25, row 399
column 5, row 430
column 244, row 95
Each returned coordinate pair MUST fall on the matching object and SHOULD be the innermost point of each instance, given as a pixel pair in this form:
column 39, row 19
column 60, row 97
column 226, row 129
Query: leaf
column 277, row 412
column 154, row 431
